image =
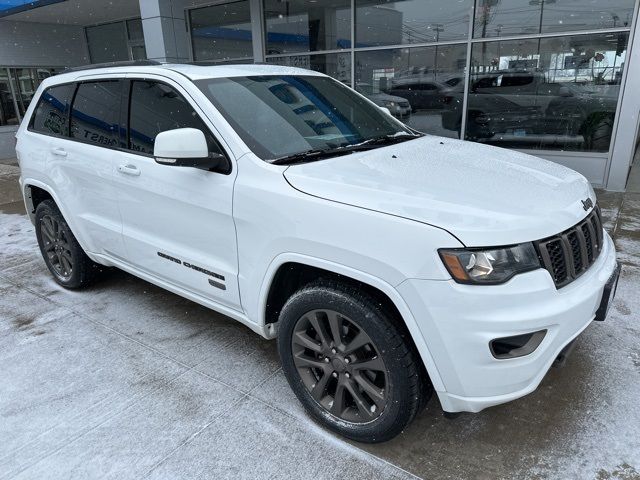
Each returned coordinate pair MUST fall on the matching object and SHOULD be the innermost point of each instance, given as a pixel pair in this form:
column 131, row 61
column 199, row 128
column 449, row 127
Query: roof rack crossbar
column 126, row 63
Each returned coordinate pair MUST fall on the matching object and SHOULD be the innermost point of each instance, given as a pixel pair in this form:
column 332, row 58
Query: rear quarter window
column 51, row 114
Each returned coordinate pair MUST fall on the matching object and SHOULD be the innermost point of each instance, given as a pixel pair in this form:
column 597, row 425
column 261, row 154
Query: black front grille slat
column 588, row 235
column 576, row 251
column 568, row 255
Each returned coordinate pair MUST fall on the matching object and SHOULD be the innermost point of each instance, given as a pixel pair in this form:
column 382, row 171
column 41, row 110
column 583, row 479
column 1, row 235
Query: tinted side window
column 517, row 80
column 156, row 107
column 95, row 113
column 50, row 115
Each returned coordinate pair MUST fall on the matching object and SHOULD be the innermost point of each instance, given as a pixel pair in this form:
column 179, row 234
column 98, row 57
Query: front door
column 177, row 221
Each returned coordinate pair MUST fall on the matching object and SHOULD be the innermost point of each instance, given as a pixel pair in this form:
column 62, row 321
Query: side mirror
column 385, row 110
column 187, row 147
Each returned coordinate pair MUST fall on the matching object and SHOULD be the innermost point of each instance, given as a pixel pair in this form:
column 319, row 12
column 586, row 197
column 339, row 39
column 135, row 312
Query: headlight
column 486, row 266
column 388, row 103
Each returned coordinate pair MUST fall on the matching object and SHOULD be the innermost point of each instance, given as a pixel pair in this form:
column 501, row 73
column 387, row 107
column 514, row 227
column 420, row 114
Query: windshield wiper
column 391, row 139
column 307, row 155
column 317, row 154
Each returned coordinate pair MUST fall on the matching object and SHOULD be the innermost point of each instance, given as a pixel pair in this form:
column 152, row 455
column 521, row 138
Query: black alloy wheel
column 340, row 366
column 63, row 255
column 56, row 247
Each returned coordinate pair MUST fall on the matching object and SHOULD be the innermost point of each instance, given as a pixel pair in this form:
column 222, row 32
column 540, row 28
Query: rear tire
column 346, row 360
column 62, row 253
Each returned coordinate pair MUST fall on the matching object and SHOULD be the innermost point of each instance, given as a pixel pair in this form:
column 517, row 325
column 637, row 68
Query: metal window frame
column 13, row 94
column 615, row 148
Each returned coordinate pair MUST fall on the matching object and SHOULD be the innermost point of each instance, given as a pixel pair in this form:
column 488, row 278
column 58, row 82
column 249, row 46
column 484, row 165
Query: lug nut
column 346, row 360
column 334, row 351
column 347, row 374
column 335, row 374
column 326, row 359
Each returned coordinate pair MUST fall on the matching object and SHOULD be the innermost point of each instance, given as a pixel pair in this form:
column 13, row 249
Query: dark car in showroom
column 523, row 109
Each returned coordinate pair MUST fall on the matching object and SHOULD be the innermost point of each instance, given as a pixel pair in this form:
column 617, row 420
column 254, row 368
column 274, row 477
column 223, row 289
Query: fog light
column 516, row 346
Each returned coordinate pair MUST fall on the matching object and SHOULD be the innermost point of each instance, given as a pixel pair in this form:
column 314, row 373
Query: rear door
column 81, row 165
column 177, row 221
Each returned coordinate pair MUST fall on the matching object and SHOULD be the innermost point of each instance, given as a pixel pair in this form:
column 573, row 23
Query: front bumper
column 459, row 321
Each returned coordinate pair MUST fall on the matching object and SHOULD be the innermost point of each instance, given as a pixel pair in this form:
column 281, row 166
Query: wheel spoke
column 359, row 341
column 49, row 247
column 59, row 261
column 66, row 264
column 376, row 364
column 47, row 227
column 320, row 329
column 302, row 360
column 320, row 387
column 48, row 235
column 363, row 406
column 302, row 339
column 337, row 408
column 335, row 323
column 376, row 394
column 56, row 228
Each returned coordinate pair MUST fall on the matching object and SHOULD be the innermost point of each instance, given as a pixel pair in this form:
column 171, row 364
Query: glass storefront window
column 306, row 25
column 501, row 18
column 117, row 41
column 17, row 88
column 107, row 43
column 557, row 93
column 8, row 113
column 379, row 22
column 221, row 32
column 134, row 30
column 418, row 85
column 336, row 65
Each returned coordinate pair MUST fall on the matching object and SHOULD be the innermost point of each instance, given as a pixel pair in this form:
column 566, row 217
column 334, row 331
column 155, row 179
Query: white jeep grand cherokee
column 387, row 263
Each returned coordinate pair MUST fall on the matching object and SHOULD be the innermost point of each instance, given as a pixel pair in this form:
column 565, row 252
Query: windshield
column 284, row 115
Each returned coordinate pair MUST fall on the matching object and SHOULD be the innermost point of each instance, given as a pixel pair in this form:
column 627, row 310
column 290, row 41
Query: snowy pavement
column 125, row 380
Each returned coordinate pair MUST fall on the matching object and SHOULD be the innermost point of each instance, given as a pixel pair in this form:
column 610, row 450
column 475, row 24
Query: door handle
column 61, row 152
column 129, row 169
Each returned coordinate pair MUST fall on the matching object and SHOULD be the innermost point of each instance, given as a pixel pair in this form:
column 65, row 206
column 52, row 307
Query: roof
column 193, row 72
column 196, row 72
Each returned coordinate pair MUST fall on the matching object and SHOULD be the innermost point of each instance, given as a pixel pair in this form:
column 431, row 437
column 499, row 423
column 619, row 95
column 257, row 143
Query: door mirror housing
column 187, row 147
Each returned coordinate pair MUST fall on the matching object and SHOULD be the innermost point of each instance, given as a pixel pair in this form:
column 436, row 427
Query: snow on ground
column 126, row 380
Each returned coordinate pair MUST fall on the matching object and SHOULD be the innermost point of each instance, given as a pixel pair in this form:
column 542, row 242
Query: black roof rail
column 126, row 63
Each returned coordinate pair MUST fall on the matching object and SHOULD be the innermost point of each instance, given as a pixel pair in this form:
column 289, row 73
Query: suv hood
column 485, row 196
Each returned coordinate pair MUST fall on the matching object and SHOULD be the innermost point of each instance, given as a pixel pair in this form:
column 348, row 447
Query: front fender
column 389, row 290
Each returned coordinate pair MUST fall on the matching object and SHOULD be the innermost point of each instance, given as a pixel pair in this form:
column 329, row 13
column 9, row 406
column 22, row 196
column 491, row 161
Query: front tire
column 347, row 362
column 599, row 137
column 62, row 253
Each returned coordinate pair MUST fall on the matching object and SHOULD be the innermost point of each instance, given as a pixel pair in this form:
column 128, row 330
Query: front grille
column 403, row 104
column 568, row 255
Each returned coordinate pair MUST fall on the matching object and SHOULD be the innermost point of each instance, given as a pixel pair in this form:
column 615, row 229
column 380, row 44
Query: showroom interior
column 554, row 78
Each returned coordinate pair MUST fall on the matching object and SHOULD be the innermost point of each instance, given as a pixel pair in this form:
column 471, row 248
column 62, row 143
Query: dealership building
column 554, row 78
